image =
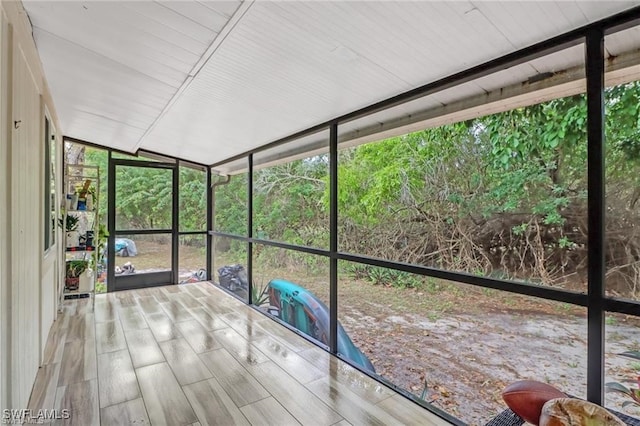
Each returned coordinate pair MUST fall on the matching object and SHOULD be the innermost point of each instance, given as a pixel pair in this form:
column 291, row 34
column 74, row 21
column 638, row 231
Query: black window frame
column 592, row 36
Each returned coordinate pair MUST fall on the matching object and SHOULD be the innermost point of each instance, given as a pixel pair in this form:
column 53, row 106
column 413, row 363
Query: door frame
column 151, row 279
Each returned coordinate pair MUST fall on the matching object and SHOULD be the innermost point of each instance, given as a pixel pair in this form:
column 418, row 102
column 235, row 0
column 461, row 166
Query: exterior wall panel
column 26, row 246
column 28, row 298
column 4, row 212
column 47, row 298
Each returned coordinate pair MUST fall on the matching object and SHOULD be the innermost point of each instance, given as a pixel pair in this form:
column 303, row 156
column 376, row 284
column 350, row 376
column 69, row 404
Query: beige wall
column 27, row 274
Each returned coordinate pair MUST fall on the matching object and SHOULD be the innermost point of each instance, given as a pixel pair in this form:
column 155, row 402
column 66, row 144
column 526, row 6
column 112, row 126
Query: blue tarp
column 125, row 247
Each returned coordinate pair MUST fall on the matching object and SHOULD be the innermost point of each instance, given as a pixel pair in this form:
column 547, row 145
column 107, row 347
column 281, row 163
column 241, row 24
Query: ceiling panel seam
column 493, row 24
column 105, row 117
column 172, row 27
column 104, row 56
column 190, row 19
column 337, row 50
column 235, row 19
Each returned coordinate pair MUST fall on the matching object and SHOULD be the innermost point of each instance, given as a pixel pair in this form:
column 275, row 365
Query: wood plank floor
column 193, row 355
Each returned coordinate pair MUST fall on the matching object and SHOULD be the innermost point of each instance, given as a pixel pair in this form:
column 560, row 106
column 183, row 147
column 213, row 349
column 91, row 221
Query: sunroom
column 318, row 212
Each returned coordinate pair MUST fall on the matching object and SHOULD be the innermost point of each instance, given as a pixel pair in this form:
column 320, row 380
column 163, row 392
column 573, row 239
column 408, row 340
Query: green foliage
column 144, row 195
column 564, row 243
column 391, row 176
column 632, row 393
column 193, row 199
column 260, row 294
column 75, row 268
column 143, row 198
column 383, row 276
column 288, row 202
column 537, row 158
column 520, row 229
column 70, row 224
column 231, row 206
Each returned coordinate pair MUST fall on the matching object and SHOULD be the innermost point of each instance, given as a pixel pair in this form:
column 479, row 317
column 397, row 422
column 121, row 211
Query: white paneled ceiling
column 207, row 80
column 113, row 67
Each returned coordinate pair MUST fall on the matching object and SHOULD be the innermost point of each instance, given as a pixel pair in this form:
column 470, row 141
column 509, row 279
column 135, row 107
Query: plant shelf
column 80, row 248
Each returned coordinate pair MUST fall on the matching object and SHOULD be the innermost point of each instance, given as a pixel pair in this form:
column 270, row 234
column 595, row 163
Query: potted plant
column 70, row 226
column 74, row 268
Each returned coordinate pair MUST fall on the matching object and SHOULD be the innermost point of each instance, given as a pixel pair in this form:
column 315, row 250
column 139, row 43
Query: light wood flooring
column 193, row 355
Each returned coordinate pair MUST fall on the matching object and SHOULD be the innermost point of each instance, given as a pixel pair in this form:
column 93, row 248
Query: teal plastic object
column 301, row 309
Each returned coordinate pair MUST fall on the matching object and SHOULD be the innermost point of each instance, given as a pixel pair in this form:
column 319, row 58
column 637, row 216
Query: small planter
column 72, row 283
column 74, row 270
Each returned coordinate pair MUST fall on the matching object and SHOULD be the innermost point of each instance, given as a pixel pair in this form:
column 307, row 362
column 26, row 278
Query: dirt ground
column 467, row 343
column 467, row 359
column 154, row 256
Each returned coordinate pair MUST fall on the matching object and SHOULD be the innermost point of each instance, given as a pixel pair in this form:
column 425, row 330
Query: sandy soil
column 153, row 256
column 466, row 360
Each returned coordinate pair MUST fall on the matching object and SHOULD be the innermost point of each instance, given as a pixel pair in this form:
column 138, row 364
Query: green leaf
column 631, row 354
column 617, row 387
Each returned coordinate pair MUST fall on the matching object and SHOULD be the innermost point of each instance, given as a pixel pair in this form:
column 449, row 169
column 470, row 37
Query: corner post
column 596, row 215
column 333, row 238
column 250, row 231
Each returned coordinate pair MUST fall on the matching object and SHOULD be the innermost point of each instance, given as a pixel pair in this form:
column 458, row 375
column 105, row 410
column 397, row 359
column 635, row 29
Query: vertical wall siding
column 27, row 275
column 47, row 297
column 26, row 246
column 5, row 137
